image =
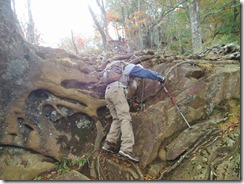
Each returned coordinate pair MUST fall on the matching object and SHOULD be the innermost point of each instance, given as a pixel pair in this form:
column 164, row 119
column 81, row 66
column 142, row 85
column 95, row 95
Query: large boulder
column 196, row 97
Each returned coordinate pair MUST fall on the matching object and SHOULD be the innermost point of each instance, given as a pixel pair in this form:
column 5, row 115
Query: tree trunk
column 73, row 42
column 195, row 27
column 14, row 7
column 16, row 19
column 139, row 26
column 30, row 35
column 15, row 56
column 24, row 77
column 236, row 13
column 104, row 17
column 100, row 29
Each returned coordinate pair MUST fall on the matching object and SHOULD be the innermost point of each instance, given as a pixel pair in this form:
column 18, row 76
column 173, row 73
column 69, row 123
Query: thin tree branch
column 73, row 42
column 166, row 13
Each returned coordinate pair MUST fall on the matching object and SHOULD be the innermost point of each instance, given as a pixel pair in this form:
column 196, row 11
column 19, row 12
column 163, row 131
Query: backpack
column 113, row 71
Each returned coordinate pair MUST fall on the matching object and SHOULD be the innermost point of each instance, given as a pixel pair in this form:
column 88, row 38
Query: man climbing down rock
column 116, row 98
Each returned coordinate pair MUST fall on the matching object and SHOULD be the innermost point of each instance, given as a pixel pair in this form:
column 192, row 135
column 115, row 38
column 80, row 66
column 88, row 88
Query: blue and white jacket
column 132, row 70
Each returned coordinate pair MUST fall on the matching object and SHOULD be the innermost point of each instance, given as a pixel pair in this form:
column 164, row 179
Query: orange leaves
column 229, row 127
column 80, row 42
column 137, row 18
column 112, row 17
column 135, row 22
column 149, row 177
column 138, row 14
column 233, row 124
column 233, row 118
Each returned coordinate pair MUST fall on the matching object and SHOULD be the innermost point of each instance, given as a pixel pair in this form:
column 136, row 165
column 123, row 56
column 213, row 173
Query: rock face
column 72, row 175
column 20, row 164
column 52, row 103
column 68, row 111
column 196, row 99
column 63, row 107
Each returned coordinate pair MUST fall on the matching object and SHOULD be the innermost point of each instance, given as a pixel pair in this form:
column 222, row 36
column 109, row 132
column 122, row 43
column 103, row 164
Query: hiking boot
column 109, row 147
column 129, row 155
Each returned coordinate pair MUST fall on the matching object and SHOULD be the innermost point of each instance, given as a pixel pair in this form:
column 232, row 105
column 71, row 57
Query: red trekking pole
column 177, row 108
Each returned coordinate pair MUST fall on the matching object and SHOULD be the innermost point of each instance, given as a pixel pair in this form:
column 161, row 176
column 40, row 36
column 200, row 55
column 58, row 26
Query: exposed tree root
column 200, row 143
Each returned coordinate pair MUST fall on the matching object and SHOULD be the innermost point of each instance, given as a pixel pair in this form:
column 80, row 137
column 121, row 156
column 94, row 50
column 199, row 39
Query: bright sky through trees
column 54, row 19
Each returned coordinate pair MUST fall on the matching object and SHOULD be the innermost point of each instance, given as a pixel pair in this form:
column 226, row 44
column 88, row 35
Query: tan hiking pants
column 121, row 125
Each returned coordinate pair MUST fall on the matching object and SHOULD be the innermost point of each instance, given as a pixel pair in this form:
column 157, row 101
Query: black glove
column 161, row 80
